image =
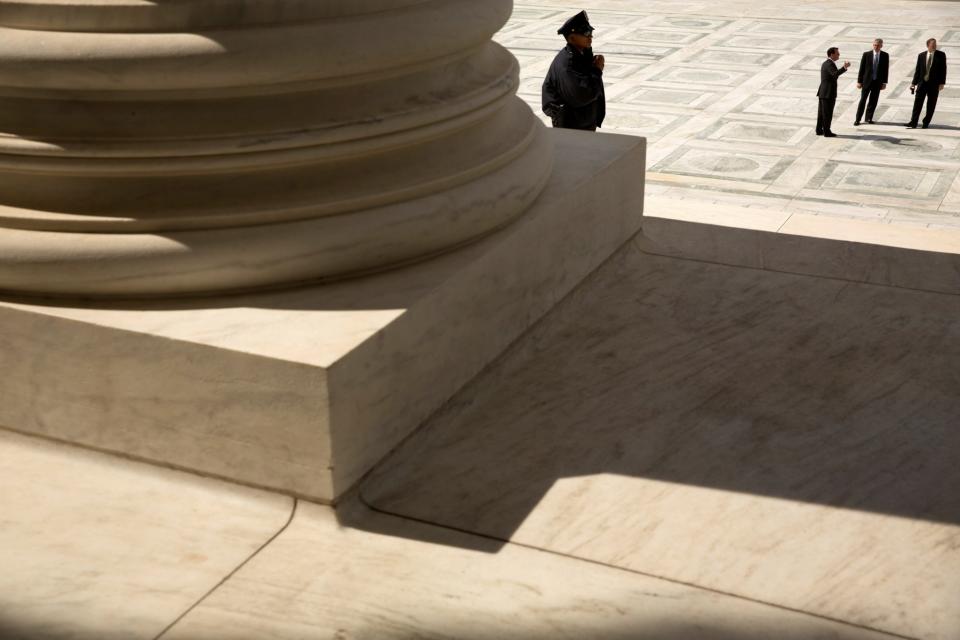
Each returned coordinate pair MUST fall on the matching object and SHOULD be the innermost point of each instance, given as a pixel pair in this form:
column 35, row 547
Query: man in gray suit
column 871, row 80
column 828, row 91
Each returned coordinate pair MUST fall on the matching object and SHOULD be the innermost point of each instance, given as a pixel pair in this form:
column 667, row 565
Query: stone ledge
column 806, row 244
column 303, row 390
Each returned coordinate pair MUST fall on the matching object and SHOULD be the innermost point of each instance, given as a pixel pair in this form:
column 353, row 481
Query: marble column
column 155, row 148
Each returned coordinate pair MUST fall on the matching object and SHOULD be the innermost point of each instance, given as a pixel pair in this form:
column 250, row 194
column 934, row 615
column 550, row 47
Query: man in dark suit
column 929, row 79
column 871, row 80
column 828, row 91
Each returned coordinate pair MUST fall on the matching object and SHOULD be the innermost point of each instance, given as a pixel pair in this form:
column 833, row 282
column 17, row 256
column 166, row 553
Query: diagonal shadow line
column 359, row 522
column 460, row 472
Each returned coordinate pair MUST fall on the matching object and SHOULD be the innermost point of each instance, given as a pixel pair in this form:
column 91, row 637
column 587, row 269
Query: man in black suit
column 871, row 79
column 929, row 79
column 828, row 91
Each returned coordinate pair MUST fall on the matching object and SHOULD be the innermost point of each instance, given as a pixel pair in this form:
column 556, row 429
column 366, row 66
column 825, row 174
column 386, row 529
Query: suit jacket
column 938, row 72
column 828, row 80
column 865, row 73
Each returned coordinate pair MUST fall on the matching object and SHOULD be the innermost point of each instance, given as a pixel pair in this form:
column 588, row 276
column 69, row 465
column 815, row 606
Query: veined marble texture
column 383, row 578
column 747, row 167
column 758, row 63
column 303, row 390
column 95, row 547
column 757, row 132
column 863, row 250
column 783, row 438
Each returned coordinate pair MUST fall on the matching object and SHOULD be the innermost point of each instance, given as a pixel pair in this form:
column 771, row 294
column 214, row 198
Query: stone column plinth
column 189, row 150
column 193, row 146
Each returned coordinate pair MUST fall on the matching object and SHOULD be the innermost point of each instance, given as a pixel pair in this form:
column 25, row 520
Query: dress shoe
column 856, row 123
column 911, row 125
column 869, row 121
column 819, row 133
column 829, row 134
column 924, row 125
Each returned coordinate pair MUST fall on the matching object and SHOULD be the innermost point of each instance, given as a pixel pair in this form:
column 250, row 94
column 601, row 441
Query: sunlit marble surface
column 384, row 578
column 95, row 547
column 303, row 390
column 853, row 249
column 785, row 438
column 725, row 93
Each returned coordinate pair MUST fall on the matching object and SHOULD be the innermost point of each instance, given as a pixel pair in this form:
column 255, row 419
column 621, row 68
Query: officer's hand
column 846, row 64
column 598, row 62
column 882, row 87
column 859, row 85
column 942, row 86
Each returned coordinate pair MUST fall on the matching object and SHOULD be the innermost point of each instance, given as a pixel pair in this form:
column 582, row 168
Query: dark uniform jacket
column 865, row 73
column 828, row 80
column 573, row 90
column 938, row 71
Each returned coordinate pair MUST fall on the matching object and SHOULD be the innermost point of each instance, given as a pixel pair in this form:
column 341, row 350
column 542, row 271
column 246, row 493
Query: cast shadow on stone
column 391, row 288
column 902, row 125
column 12, row 628
column 661, row 627
column 890, row 139
column 790, row 387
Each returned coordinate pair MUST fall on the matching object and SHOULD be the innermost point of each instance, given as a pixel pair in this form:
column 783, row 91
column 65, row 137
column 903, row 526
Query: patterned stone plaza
column 725, row 95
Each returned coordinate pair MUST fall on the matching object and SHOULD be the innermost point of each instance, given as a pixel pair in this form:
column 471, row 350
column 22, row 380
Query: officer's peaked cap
column 577, row 24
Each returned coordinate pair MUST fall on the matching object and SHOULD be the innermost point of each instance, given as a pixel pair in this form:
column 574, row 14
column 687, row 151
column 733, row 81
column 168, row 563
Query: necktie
column 876, row 63
column 926, row 76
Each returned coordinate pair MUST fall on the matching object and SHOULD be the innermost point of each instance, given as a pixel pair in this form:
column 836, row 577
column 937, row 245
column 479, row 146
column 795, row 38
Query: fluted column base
column 198, row 147
column 188, row 262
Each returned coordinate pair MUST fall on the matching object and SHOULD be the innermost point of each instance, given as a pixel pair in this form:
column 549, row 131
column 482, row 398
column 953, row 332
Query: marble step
column 806, row 243
column 785, row 438
column 93, row 546
column 302, row 390
column 97, row 547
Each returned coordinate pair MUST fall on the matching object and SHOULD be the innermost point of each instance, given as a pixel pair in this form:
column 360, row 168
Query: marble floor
column 725, row 94
column 93, row 547
column 680, row 450
column 784, row 438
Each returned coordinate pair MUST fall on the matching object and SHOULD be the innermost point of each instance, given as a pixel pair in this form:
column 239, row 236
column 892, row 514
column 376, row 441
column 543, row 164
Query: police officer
column 573, row 89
